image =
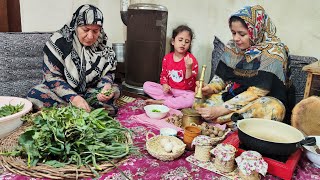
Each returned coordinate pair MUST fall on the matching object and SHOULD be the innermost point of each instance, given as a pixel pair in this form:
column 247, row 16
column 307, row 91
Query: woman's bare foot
column 153, row 101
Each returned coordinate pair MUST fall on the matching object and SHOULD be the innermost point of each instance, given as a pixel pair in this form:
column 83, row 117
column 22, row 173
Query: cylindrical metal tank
column 146, row 42
column 120, row 51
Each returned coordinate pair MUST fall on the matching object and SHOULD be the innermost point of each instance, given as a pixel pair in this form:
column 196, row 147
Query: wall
column 297, row 26
column 48, row 15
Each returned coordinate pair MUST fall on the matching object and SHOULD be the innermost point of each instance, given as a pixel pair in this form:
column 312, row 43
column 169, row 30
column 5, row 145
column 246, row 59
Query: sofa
column 21, row 60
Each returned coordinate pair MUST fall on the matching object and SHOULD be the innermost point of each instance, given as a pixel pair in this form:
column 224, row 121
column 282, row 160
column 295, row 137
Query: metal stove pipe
column 124, row 4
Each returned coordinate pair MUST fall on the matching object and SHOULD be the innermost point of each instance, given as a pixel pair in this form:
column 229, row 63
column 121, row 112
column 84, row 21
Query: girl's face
column 240, row 35
column 88, row 34
column 181, row 42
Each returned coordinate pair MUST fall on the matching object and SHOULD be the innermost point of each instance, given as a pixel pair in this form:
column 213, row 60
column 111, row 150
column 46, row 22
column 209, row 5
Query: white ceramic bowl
column 156, row 111
column 168, row 132
column 11, row 122
column 311, row 153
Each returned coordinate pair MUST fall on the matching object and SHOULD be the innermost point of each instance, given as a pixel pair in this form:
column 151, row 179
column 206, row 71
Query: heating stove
column 280, row 166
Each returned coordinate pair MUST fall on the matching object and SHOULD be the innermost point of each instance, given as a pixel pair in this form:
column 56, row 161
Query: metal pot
column 120, row 51
column 271, row 137
column 190, row 116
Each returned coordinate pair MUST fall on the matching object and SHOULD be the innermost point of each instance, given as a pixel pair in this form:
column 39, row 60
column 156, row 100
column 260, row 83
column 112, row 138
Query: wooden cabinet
column 10, row 20
column 313, row 79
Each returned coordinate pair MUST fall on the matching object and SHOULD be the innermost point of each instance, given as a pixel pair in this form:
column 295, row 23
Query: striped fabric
column 71, row 69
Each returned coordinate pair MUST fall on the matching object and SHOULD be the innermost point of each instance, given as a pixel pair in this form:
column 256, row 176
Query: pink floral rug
column 143, row 166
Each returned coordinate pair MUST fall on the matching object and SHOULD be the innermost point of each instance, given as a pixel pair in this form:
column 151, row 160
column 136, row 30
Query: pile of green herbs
column 92, row 99
column 68, row 135
column 9, row 109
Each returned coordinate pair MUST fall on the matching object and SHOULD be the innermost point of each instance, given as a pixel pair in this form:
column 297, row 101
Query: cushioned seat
column 20, row 62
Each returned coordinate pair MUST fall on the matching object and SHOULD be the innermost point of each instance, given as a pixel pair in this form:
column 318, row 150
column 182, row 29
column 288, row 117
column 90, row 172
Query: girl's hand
column 212, row 113
column 188, row 61
column 80, row 102
column 206, row 90
column 166, row 88
column 102, row 96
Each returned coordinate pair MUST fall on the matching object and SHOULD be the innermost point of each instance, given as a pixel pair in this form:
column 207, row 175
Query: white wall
column 49, row 15
column 297, row 21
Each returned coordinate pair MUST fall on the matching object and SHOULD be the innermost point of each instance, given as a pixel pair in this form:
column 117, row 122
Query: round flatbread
column 306, row 116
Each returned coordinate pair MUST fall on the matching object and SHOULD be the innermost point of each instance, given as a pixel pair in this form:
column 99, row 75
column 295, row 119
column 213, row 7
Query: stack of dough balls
column 168, row 146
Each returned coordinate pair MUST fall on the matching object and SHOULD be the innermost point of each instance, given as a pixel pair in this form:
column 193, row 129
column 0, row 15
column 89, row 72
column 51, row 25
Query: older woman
column 251, row 77
column 78, row 65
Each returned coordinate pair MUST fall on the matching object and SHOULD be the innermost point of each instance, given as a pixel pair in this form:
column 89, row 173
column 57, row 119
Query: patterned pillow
column 216, row 55
column 297, row 77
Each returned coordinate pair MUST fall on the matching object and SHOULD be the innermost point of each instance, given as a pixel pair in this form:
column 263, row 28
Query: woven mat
column 18, row 165
column 123, row 100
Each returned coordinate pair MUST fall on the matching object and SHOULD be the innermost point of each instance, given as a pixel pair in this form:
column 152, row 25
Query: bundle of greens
column 9, row 109
column 93, row 97
column 68, row 135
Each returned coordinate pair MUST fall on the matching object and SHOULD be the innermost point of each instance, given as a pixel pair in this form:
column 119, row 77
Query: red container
column 276, row 168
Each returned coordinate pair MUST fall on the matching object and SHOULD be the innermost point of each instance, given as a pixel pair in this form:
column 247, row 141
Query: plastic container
column 311, row 153
column 156, row 111
column 168, row 132
column 11, row 122
column 190, row 132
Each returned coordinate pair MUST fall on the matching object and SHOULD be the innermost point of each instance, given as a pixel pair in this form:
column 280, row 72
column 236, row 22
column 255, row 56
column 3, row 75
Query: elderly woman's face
column 240, row 35
column 88, row 34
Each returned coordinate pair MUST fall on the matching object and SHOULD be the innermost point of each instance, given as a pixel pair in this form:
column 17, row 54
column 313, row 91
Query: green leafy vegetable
column 107, row 92
column 155, row 110
column 9, row 109
column 93, row 97
column 65, row 135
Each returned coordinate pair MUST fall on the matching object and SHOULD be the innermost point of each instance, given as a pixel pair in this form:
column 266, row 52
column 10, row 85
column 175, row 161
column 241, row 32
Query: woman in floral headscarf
column 78, row 65
column 251, row 76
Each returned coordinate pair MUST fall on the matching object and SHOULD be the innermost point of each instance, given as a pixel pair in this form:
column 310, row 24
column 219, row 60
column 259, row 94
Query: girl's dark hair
column 178, row 30
column 235, row 19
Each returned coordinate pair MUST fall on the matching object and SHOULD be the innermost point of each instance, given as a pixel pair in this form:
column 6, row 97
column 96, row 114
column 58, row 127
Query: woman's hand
column 212, row 113
column 206, row 90
column 166, row 88
column 80, row 102
column 103, row 97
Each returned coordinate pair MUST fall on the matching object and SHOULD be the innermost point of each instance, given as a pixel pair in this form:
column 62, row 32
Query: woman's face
column 88, row 34
column 240, row 35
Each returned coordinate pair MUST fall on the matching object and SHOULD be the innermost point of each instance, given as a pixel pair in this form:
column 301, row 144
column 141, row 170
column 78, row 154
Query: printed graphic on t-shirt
column 176, row 75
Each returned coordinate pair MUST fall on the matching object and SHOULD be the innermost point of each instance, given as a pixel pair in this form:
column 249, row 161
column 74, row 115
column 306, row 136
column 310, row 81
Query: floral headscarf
column 262, row 34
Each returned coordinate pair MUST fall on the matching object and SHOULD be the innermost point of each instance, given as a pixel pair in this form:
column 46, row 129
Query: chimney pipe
column 124, row 4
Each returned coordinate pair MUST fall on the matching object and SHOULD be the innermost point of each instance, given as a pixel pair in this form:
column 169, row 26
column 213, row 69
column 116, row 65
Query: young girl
column 178, row 75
